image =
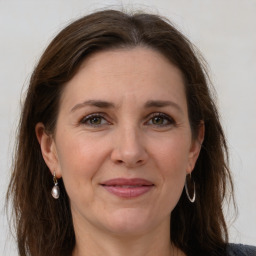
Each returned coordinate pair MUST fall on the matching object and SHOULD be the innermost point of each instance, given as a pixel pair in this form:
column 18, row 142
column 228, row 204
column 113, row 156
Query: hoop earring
column 55, row 190
column 192, row 200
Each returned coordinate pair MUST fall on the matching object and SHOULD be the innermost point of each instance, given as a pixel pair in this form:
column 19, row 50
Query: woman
column 120, row 148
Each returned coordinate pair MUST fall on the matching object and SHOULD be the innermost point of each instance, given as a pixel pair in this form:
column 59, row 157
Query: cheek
column 173, row 162
column 173, row 155
column 173, row 170
column 78, row 162
column 173, row 174
column 78, row 153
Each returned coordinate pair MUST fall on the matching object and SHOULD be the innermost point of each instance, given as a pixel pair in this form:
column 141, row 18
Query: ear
column 48, row 148
column 196, row 147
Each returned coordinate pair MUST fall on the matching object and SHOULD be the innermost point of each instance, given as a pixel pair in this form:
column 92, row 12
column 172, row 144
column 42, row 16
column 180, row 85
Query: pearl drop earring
column 55, row 190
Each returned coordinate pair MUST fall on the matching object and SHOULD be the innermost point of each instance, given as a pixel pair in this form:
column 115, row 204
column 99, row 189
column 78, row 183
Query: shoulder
column 241, row 250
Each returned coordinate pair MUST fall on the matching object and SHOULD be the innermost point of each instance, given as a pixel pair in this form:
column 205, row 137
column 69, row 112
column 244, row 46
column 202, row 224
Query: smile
column 128, row 188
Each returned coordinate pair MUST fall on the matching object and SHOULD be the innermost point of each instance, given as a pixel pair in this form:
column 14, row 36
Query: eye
column 160, row 120
column 94, row 120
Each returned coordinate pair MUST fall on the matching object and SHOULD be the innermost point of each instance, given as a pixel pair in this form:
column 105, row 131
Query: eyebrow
column 162, row 103
column 106, row 104
column 95, row 103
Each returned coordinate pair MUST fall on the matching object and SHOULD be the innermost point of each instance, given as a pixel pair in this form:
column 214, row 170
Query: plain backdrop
column 225, row 33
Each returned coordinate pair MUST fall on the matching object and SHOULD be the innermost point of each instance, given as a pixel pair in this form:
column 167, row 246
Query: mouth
column 128, row 188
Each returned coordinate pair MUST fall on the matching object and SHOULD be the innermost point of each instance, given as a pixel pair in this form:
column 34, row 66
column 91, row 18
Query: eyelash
column 166, row 118
column 170, row 120
column 90, row 117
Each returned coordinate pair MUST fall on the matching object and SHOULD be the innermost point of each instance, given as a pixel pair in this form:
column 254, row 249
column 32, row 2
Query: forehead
column 140, row 72
column 137, row 60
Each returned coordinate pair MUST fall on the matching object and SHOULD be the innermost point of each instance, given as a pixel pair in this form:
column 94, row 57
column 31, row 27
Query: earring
column 192, row 200
column 55, row 190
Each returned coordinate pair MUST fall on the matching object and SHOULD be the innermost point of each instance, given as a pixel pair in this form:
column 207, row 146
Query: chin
column 125, row 222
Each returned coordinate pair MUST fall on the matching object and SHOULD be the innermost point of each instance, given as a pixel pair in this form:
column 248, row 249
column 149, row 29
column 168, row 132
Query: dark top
column 241, row 250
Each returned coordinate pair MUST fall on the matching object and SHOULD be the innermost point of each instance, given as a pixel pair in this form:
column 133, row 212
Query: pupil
column 158, row 120
column 95, row 120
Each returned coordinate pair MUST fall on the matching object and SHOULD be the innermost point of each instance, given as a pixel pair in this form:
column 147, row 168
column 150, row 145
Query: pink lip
column 128, row 188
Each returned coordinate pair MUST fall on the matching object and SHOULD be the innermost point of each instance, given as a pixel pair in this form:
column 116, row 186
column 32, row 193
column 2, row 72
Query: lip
column 127, row 188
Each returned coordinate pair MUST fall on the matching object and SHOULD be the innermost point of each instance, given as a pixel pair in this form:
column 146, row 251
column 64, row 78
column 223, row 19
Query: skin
column 128, row 139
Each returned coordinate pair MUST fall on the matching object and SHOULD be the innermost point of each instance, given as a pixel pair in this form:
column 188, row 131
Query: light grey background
column 224, row 31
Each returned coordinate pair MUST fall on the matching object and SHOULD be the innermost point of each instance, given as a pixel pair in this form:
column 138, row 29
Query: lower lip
column 128, row 192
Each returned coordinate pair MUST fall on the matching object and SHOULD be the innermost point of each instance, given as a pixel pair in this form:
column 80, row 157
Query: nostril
column 139, row 162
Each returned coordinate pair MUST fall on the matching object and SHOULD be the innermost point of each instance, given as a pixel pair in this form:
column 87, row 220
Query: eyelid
column 149, row 118
column 163, row 115
column 86, row 118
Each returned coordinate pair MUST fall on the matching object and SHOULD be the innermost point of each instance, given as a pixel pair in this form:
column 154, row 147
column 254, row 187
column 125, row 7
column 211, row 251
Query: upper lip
column 127, row 182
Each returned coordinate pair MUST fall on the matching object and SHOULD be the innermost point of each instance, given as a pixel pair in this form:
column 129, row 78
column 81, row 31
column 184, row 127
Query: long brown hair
column 44, row 225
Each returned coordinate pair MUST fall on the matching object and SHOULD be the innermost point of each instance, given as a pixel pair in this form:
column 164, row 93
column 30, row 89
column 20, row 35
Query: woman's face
column 123, row 143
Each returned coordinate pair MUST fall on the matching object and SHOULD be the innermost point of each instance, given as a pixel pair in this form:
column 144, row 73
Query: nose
column 128, row 148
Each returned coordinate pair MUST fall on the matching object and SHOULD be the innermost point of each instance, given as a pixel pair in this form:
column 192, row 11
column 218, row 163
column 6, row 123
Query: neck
column 94, row 242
